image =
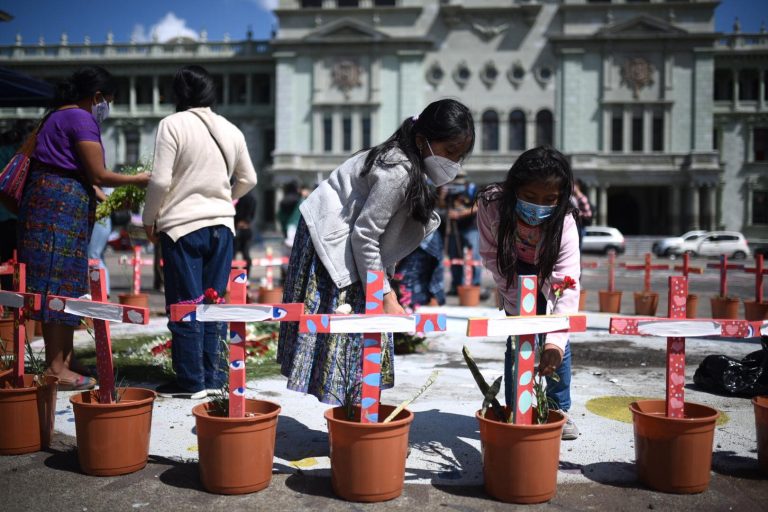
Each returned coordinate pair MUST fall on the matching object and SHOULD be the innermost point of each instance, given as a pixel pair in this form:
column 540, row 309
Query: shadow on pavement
column 310, row 485
column 729, row 464
column 616, row 474
column 295, row 441
column 182, row 475
column 63, row 460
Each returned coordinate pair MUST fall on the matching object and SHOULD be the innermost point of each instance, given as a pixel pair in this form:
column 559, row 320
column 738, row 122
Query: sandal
column 76, row 366
column 81, row 383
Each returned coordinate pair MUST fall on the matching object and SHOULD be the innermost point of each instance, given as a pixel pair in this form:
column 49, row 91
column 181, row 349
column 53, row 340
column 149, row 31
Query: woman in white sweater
column 201, row 165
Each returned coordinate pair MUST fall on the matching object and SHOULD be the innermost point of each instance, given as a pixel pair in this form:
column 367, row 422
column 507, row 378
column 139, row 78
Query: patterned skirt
column 328, row 366
column 55, row 224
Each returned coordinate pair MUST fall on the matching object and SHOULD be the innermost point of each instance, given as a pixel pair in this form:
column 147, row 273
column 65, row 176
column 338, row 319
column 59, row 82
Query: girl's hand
column 391, row 306
column 550, row 360
column 142, row 179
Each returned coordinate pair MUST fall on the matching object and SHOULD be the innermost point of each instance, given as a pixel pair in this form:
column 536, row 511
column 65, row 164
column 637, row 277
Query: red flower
column 557, row 288
column 211, row 296
column 569, row 283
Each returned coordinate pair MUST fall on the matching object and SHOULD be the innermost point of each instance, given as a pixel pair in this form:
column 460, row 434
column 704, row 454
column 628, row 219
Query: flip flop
column 82, row 383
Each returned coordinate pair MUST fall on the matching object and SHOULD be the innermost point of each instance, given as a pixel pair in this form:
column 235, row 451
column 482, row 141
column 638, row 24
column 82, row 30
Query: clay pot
column 507, row 447
column 113, row 439
column 755, row 310
column 673, row 454
column 26, row 415
column 724, row 307
column 468, row 295
column 273, row 296
column 6, row 335
column 760, row 404
column 610, row 302
column 134, row 299
column 236, row 453
column 368, row 459
column 646, row 303
column 691, row 305
column 582, row 299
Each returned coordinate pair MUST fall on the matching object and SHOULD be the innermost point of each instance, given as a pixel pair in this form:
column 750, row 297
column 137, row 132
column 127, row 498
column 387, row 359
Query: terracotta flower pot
column 468, row 295
column 6, row 334
column 724, row 307
column 134, row 299
column 368, row 459
column 582, row 299
column 507, row 448
column 236, row 453
column 113, row 439
column 760, row 404
column 673, row 454
column 26, row 415
column 610, row 302
column 691, row 305
column 646, row 303
column 755, row 310
column 273, row 296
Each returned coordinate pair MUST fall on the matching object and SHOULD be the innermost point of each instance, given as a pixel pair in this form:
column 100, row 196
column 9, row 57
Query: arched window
column 517, row 131
column 544, row 128
column 490, row 131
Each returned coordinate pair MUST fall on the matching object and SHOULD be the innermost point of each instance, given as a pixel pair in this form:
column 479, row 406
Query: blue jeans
column 558, row 392
column 98, row 243
column 194, row 263
column 466, row 238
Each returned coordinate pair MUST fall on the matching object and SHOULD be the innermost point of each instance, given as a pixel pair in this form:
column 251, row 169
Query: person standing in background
column 245, row 211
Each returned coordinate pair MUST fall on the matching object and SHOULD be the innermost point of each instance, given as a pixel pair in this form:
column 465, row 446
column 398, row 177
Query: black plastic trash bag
column 725, row 375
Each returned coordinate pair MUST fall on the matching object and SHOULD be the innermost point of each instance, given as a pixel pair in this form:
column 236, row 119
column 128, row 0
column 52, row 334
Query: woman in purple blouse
column 57, row 209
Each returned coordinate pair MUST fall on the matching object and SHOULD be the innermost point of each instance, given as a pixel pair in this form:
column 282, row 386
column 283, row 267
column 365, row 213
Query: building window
column 637, row 131
column 269, row 145
column 143, row 90
column 346, row 128
column 760, row 143
column 132, row 146
column 490, row 131
column 723, row 85
column 327, row 133
column 617, row 131
column 122, row 90
column 218, row 83
column 312, row 3
column 167, row 95
column 760, row 207
column 517, row 130
column 544, row 128
column 749, row 85
column 384, row 3
column 715, row 139
column 261, row 87
column 657, row 132
column 366, row 132
column 237, row 89
column 347, row 3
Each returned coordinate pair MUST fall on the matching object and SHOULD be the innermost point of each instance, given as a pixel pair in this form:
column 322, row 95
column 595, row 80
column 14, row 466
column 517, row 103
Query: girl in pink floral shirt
column 527, row 226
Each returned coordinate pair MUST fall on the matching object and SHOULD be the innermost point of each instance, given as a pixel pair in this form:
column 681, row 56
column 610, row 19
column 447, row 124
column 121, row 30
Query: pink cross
column 647, row 267
column 525, row 326
column 686, row 269
column 268, row 262
column 724, row 267
column 136, row 262
column 373, row 323
column 759, row 270
column 676, row 328
column 467, row 263
column 237, row 313
column 22, row 304
column 102, row 312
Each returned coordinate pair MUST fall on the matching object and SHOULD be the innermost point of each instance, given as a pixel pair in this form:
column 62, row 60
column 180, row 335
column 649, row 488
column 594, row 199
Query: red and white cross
column 136, row 262
column 759, row 270
column 724, row 267
column 468, row 264
column 647, row 267
column 22, row 304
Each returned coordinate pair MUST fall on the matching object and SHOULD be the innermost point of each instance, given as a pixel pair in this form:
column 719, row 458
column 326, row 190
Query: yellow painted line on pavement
column 617, row 408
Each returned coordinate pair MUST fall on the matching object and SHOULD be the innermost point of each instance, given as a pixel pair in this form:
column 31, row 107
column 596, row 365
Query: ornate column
column 674, row 209
column 530, row 130
column 503, row 131
column 225, row 91
column 712, row 207
column 248, row 89
column 155, row 93
column 602, row 206
column 132, row 94
column 693, row 202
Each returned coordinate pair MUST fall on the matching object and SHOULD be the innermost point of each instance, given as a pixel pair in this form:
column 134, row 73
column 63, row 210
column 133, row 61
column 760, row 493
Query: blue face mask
column 533, row 214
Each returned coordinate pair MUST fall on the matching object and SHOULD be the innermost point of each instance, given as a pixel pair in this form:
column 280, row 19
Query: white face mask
column 439, row 169
column 100, row 111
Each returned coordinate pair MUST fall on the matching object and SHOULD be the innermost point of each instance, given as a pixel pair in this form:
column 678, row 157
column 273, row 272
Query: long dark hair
column 84, row 83
column 442, row 120
column 193, row 87
column 541, row 164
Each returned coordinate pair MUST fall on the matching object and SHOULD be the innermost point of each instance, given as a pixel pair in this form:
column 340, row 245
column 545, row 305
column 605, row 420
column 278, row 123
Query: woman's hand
column 142, row 179
column 550, row 360
column 391, row 306
column 151, row 235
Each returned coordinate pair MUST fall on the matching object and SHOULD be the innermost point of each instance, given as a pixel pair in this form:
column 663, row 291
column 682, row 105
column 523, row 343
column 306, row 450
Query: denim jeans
column 195, row 262
column 558, row 392
column 98, row 243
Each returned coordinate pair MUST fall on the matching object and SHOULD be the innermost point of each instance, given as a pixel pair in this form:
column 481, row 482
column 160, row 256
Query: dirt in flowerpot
column 409, row 343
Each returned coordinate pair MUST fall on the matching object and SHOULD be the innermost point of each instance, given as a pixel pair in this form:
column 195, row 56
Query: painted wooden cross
column 647, row 267
column 677, row 328
column 611, row 271
column 759, row 270
column 373, row 324
column 686, row 268
column 22, row 304
column 102, row 312
column 269, row 261
column 525, row 326
column 237, row 312
column 136, row 262
column 468, row 264
column 724, row 267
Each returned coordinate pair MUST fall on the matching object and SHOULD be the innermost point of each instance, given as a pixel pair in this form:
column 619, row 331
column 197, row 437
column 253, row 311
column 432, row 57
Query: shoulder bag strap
column 226, row 164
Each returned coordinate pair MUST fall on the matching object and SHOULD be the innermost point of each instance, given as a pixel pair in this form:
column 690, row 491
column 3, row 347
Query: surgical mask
column 100, row 111
column 533, row 214
column 439, row 169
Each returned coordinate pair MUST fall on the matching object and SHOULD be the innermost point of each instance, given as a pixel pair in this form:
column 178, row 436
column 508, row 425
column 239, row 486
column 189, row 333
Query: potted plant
column 646, row 301
column 757, row 309
column 469, row 294
column 268, row 292
column 610, row 299
column 723, row 305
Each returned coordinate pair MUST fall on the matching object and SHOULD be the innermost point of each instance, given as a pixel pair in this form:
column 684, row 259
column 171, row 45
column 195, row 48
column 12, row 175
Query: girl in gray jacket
column 373, row 210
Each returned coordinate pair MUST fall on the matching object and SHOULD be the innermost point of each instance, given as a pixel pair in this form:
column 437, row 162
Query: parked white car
column 677, row 244
column 603, row 239
column 715, row 243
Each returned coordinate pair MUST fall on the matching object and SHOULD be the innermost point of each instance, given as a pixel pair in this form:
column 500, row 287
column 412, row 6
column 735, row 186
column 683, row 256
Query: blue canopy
column 20, row 90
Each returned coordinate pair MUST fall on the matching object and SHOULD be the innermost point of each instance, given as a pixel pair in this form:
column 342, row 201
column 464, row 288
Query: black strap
column 226, row 165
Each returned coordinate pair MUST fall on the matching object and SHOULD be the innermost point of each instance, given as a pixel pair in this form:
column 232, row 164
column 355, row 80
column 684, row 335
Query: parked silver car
column 715, row 243
column 603, row 239
column 676, row 244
